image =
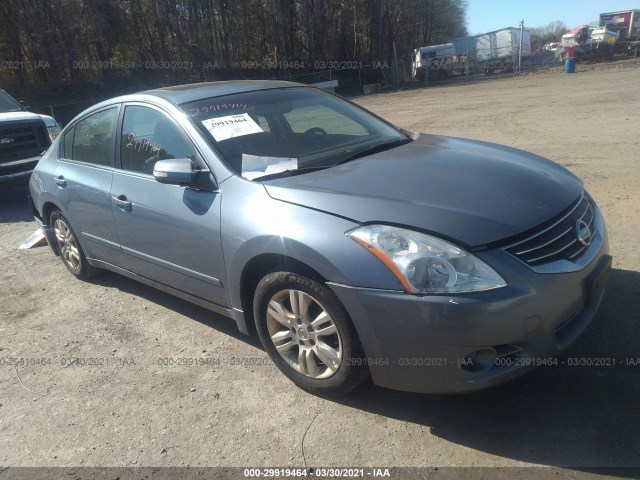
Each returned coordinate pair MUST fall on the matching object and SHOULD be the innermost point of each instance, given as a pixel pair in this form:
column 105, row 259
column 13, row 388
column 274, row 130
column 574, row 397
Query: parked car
column 23, row 138
column 352, row 247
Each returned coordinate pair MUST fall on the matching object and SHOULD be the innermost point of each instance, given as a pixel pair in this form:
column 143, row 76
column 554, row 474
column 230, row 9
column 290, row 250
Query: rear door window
column 92, row 139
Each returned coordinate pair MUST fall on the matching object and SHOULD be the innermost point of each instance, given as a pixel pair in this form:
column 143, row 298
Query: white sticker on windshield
column 223, row 128
column 254, row 166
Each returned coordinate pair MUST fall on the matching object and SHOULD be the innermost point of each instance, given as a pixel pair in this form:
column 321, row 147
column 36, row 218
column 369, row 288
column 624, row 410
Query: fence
column 351, row 75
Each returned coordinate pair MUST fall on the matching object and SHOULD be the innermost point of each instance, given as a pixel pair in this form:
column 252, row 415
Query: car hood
column 15, row 116
column 472, row 192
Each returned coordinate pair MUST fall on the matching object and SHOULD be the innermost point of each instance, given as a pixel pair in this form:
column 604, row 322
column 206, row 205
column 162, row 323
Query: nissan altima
column 353, row 248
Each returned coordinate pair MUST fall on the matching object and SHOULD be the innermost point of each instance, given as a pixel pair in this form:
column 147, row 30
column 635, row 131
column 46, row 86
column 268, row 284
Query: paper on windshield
column 231, row 126
column 254, row 166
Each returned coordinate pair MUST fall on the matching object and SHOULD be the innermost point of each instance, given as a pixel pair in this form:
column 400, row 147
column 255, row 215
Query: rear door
column 83, row 178
column 168, row 233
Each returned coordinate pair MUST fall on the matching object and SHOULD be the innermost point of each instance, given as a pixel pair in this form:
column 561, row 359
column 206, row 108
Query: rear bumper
column 452, row 344
column 34, row 210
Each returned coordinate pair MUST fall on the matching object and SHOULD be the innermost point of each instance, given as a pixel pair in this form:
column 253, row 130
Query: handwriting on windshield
column 216, row 107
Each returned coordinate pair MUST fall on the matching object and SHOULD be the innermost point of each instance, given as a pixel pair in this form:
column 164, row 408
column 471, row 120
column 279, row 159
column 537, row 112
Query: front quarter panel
column 254, row 224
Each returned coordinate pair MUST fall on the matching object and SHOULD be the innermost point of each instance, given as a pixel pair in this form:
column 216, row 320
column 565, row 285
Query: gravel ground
column 125, row 409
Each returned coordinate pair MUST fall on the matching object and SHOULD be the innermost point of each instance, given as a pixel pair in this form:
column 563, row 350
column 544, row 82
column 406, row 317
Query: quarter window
column 149, row 136
column 68, row 143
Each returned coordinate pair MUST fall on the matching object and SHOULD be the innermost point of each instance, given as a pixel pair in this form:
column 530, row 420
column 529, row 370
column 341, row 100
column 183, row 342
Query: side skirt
column 227, row 312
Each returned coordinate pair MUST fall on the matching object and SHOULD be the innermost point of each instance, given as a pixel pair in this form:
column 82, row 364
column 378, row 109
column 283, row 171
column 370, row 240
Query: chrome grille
column 560, row 241
column 22, row 139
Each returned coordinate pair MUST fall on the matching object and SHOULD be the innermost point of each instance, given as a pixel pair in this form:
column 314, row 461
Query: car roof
column 180, row 94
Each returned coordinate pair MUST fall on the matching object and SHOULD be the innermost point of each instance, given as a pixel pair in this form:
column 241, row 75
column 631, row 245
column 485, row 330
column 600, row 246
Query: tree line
column 550, row 33
column 67, row 49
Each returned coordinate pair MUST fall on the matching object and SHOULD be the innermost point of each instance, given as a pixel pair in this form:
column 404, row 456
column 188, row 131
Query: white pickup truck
column 24, row 136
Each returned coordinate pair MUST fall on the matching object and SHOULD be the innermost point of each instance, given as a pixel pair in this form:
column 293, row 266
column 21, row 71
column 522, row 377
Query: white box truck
column 433, row 58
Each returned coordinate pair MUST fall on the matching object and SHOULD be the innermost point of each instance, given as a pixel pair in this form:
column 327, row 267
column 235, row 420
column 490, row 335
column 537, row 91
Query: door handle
column 60, row 181
column 122, row 202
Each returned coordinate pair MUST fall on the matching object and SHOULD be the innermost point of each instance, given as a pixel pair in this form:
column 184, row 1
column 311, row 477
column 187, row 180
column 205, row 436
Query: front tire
column 308, row 334
column 70, row 250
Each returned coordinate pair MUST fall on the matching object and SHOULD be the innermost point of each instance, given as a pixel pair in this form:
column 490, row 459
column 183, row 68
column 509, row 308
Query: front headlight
column 426, row 264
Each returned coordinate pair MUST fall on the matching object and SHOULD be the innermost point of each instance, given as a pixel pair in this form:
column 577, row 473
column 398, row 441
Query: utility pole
column 396, row 80
column 520, row 49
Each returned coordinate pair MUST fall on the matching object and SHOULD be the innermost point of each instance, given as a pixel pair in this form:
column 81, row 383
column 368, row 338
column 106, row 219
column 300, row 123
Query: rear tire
column 307, row 333
column 70, row 250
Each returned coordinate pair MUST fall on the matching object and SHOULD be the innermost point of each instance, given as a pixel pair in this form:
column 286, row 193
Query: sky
column 488, row 15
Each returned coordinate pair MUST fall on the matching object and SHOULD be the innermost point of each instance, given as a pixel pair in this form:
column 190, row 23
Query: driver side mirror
column 180, row 171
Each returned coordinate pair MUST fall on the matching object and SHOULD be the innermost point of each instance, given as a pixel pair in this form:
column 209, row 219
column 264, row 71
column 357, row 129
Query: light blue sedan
column 353, row 248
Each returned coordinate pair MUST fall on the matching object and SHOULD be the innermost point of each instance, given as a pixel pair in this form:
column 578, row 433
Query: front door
column 168, row 233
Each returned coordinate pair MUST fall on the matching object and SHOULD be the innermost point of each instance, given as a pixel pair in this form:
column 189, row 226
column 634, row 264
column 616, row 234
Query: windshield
column 299, row 129
column 8, row 104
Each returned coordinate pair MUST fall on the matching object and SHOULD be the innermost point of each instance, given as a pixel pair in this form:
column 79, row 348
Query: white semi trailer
column 487, row 52
column 497, row 50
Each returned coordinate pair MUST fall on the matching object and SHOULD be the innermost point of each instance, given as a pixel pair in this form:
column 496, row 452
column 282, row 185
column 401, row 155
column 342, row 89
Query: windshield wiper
column 378, row 147
column 290, row 173
column 370, row 150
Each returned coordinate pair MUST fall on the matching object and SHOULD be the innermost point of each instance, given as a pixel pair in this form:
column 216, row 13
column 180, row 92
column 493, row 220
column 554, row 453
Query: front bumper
column 451, row 344
column 21, row 178
column 18, row 171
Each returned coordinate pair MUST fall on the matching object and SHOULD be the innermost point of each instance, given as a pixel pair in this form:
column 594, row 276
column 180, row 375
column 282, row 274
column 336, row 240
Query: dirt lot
column 128, row 410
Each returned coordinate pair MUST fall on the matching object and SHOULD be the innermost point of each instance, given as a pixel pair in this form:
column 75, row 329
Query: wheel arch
column 47, row 209
column 341, row 261
column 261, row 265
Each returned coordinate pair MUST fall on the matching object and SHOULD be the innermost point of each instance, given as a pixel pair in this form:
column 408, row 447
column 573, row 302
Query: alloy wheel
column 67, row 244
column 304, row 334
